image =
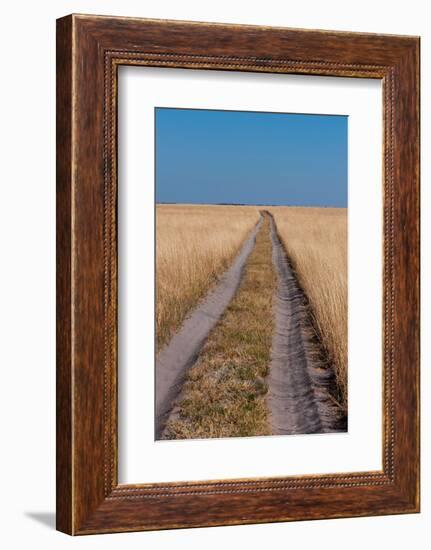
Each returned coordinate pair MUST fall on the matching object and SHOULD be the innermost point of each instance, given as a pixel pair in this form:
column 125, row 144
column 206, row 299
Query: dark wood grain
column 64, row 289
column 89, row 499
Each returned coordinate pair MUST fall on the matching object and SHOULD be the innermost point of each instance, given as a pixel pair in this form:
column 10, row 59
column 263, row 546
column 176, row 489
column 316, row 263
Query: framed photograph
column 237, row 274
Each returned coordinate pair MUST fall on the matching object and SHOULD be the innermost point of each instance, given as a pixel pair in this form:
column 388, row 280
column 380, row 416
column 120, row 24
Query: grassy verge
column 224, row 394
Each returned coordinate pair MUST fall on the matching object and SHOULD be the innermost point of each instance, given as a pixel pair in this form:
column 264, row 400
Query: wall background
column 27, row 280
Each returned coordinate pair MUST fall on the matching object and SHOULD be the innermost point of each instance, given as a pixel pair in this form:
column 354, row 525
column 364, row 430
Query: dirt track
column 299, row 383
column 182, row 351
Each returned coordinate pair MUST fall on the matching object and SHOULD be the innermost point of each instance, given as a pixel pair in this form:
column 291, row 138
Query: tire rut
column 181, row 353
column 300, row 383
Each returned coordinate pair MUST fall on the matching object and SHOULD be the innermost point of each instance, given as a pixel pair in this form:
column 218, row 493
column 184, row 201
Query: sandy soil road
column 299, row 382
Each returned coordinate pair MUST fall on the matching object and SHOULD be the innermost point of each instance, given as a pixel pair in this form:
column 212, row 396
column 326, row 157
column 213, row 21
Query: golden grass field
column 316, row 242
column 194, row 246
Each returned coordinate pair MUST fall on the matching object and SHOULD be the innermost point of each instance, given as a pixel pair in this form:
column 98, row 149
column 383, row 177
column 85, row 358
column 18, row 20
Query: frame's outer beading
column 89, row 50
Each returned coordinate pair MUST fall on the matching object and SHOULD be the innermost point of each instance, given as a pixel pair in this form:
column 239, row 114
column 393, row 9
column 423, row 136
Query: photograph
column 212, row 303
column 251, row 282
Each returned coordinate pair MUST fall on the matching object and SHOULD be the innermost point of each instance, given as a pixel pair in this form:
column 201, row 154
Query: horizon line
column 249, row 204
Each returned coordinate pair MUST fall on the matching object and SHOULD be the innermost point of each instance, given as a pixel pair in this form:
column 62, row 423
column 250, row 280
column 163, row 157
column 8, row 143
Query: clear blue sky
column 207, row 157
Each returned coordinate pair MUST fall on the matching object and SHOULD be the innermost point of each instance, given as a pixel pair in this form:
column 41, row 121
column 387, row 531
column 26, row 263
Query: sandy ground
column 299, row 396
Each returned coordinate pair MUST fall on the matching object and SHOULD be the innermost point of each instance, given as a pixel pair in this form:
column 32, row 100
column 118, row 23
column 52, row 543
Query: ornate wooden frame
column 89, row 51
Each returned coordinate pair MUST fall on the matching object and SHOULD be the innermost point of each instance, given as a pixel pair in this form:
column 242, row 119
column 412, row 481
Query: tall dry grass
column 194, row 245
column 316, row 242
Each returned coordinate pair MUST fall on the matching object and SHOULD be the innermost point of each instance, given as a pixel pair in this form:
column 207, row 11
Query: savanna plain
column 229, row 389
